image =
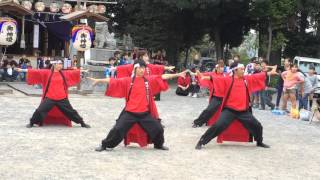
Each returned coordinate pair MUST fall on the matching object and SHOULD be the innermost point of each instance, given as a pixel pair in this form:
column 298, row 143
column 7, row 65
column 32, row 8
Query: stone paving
column 56, row 152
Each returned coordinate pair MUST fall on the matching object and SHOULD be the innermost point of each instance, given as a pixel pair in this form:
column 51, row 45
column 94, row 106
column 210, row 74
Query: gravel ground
column 56, row 152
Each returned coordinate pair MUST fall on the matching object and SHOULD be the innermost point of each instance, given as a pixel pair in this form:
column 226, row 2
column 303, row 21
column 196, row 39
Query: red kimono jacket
column 210, row 85
column 119, row 88
column 221, row 85
column 55, row 116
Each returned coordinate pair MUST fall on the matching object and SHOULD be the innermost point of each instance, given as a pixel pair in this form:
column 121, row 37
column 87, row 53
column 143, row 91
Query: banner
column 36, row 36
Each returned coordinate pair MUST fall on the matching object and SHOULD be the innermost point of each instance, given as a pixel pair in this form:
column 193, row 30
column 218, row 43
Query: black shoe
column 164, row 148
column 263, row 145
column 272, row 107
column 30, row 125
column 84, row 125
column 100, row 149
column 199, row 145
column 196, row 125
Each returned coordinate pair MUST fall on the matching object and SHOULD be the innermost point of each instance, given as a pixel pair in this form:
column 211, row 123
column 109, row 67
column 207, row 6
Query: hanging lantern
column 93, row 8
column 40, row 6
column 66, row 8
column 82, row 36
column 54, row 7
column 27, row 5
column 102, row 9
column 8, row 31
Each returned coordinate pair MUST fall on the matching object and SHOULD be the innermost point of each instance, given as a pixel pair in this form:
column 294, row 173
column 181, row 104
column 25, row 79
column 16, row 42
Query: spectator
column 184, row 83
column 291, row 78
column 124, row 59
column 279, row 86
column 265, row 97
column 111, row 68
column 286, row 64
column 312, row 76
column 236, row 58
column 74, row 61
column 116, row 56
column 159, row 58
column 227, row 69
column 250, row 67
column 194, row 86
column 256, row 95
column 40, row 62
column 9, row 73
column 310, row 83
column 23, row 61
column 135, row 53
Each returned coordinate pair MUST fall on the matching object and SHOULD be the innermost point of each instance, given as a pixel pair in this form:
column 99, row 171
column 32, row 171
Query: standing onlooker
column 291, row 78
column 23, row 63
column 194, row 86
column 279, row 86
column 159, row 58
column 74, row 61
column 264, row 94
column 111, row 68
column 280, row 70
column 40, row 62
column 227, row 69
column 135, row 53
column 130, row 59
column 124, row 59
column 310, row 83
column 116, row 56
column 236, row 58
column 250, row 67
column 312, row 76
column 256, row 95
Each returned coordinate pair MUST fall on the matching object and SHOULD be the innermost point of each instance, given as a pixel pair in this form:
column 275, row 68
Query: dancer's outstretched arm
column 171, row 76
column 169, row 68
column 21, row 70
column 97, row 81
column 200, row 75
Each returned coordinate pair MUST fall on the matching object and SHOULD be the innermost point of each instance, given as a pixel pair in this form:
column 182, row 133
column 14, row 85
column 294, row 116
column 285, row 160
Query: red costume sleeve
column 219, row 85
column 256, row 82
column 124, row 70
column 72, row 77
column 206, row 83
column 157, row 84
column 118, row 88
column 156, row 69
column 37, row 76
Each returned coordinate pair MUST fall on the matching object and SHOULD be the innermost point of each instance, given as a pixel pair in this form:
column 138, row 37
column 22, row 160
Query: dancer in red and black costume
column 236, row 105
column 55, row 83
column 140, row 108
column 215, row 98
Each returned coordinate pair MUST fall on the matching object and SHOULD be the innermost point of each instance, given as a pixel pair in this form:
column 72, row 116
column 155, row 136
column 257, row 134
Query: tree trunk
column 269, row 41
column 303, row 22
column 186, row 59
column 218, row 43
column 275, row 57
column 172, row 54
